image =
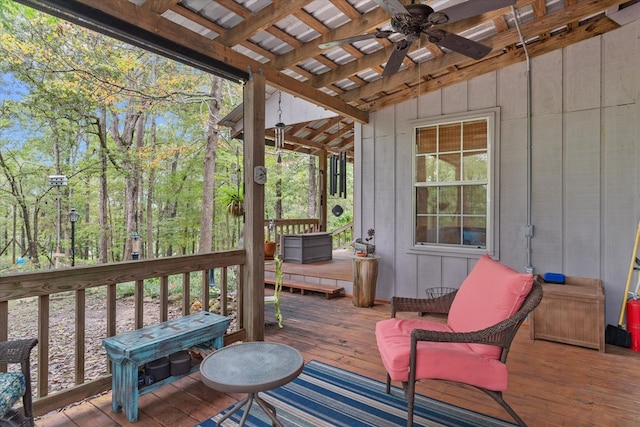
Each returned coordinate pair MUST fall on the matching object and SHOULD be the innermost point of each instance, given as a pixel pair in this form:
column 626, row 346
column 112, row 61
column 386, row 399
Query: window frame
column 492, row 116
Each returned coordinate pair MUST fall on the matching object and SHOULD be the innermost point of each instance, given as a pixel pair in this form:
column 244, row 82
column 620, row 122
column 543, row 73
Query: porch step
column 328, row 290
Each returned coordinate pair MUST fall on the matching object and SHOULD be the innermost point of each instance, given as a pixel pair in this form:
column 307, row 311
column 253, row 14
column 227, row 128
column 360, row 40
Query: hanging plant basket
column 235, row 209
column 233, row 199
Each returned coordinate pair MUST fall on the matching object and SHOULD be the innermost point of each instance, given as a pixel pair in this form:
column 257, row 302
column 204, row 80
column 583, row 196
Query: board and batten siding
column 585, row 202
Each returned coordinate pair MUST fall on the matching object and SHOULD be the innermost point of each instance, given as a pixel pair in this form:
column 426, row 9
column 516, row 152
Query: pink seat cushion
column 445, row 361
column 491, row 293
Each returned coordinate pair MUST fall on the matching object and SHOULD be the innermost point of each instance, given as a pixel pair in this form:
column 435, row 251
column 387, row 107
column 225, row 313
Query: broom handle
column 629, row 277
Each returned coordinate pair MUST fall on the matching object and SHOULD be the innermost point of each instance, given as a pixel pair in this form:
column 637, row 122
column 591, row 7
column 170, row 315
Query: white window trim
column 493, row 197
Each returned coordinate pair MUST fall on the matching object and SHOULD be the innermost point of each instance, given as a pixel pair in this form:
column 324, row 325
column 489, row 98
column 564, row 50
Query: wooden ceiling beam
column 159, row 6
column 346, row 145
column 261, row 20
column 284, row 36
column 197, row 18
column 361, row 25
column 303, row 72
column 314, row 133
column 540, row 9
column 296, row 128
column 298, row 141
column 201, row 20
column 258, row 49
column 573, row 24
column 512, row 57
column 128, row 12
column 351, row 68
column 309, row 20
column 235, row 7
column 499, row 41
column 346, row 8
column 381, row 56
column 284, row 71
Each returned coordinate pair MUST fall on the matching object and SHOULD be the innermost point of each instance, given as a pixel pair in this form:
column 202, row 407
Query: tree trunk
column 56, row 165
column 150, row 253
column 16, row 191
column 133, row 131
column 171, row 209
column 207, row 217
column 103, row 248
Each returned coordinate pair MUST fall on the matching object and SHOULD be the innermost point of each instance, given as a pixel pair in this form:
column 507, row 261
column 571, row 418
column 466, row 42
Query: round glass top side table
column 251, row 368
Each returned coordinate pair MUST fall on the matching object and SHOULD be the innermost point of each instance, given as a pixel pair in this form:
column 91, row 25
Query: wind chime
column 338, row 172
column 279, row 130
column 338, row 175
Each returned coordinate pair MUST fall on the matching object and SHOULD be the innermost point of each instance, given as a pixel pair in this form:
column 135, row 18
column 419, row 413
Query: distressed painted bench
column 130, row 350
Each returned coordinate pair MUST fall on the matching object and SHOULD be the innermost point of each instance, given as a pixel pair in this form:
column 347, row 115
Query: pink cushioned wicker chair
column 483, row 316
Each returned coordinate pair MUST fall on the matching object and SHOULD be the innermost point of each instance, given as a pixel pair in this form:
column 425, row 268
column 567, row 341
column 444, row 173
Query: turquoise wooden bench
column 130, row 350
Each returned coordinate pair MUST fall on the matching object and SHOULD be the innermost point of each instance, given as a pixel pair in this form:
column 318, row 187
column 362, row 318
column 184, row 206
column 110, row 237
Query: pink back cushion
column 491, row 293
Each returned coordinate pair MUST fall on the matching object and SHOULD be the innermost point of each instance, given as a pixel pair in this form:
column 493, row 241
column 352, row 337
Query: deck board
column 551, row 384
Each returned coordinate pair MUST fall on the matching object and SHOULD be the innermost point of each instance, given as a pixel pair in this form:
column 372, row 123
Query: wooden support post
column 253, row 280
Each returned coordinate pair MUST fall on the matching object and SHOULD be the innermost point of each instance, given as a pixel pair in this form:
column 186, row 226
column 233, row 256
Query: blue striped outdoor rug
column 324, row 395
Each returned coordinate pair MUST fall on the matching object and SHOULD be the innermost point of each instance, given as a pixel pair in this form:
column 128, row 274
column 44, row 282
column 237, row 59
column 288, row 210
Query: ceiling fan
column 416, row 18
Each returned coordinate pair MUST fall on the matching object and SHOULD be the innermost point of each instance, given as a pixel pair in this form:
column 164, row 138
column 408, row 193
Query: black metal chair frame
column 19, row 351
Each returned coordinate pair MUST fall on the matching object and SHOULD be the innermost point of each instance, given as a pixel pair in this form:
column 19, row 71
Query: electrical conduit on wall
column 529, row 227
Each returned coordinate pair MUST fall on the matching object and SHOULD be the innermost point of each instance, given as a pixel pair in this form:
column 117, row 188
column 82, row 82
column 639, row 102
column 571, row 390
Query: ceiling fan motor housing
column 414, row 23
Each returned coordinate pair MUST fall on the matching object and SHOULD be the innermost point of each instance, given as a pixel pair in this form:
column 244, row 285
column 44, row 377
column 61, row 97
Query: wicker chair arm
column 16, row 351
column 492, row 335
column 439, row 305
column 501, row 334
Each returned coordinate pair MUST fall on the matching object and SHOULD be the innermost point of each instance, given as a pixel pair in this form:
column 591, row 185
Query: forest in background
column 137, row 137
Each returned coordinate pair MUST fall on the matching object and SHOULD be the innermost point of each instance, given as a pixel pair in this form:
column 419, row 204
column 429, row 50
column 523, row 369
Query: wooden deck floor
column 551, row 384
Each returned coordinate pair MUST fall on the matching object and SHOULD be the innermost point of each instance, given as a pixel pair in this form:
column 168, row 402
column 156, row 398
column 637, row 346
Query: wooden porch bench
column 328, row 290
column 130, row 350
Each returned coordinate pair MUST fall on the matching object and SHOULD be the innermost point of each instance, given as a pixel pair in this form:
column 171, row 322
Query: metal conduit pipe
column 529, row 227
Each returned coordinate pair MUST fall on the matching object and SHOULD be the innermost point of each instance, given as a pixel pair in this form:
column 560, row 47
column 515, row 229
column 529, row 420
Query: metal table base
column 268, row 409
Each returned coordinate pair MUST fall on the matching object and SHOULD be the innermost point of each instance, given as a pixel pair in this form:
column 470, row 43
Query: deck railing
column 342, row 236
column 276, row 228
column 51, row 286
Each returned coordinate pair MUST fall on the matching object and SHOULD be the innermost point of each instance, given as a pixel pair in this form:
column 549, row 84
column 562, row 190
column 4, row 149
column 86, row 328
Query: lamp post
column 73, row 218
column 135, row 245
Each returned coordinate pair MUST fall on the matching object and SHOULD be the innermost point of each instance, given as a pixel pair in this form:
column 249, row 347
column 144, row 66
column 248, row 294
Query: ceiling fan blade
column 458, row 44
column 472, row 8
column 400, row 50
column 376, row 35
column 393, row 7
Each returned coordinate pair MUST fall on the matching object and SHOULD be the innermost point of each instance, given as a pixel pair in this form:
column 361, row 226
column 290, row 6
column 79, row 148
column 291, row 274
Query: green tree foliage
column 129, row 130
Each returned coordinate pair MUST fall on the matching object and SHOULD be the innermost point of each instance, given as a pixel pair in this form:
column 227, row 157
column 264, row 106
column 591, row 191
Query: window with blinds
column 452, row 185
